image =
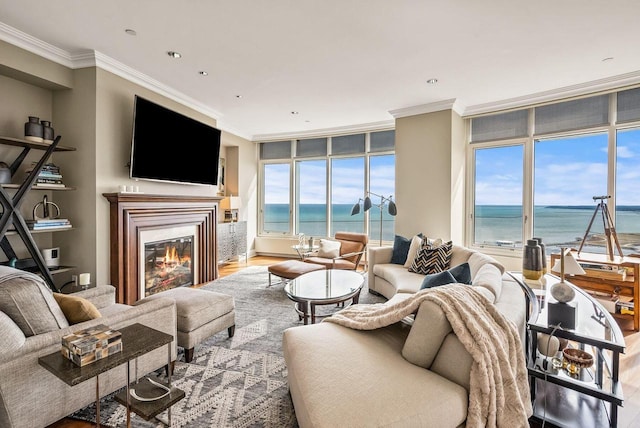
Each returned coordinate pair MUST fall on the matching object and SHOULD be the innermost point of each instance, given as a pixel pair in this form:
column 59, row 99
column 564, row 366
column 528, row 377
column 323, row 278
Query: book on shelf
column 51, row 227
column 37, row 184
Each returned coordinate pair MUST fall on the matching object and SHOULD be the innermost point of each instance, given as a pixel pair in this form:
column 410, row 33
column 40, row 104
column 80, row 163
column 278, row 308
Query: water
column 313, row 220
column 495, row 224
column 556, row 225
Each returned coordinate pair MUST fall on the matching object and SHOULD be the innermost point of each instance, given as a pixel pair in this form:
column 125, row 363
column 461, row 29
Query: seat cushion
column 27, row 300
column 291, row 269
column 196, row 307
column 330, row 263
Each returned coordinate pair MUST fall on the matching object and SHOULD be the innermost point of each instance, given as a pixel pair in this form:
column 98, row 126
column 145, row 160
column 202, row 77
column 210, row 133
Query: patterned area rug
column 237, row 382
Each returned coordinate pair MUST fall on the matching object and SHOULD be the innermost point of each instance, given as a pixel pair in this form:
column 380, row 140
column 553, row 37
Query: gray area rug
column 239, row 381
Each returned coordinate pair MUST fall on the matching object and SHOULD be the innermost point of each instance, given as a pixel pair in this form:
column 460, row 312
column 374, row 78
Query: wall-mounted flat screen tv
column 169, row 146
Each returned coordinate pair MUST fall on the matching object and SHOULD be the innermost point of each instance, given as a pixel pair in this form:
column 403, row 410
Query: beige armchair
column 352, row 248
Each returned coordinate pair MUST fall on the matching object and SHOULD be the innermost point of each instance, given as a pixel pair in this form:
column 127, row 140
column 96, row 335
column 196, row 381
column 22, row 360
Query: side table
column 590, row 397
column 137, row 340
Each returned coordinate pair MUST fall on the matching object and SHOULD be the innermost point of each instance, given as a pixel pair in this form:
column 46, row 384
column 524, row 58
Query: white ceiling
column 341, row 63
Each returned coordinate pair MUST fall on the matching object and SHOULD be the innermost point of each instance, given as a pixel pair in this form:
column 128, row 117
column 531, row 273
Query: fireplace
column 139, row 219
column 167, row 264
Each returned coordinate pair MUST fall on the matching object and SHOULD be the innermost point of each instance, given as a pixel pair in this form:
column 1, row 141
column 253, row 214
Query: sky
column 567, row 171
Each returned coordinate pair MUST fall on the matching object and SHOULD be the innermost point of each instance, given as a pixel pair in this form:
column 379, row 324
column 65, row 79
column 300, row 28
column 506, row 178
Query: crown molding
column 606, row 84
column 34, row 45
column 351, row 129
column 84, row 59
column 450, row 104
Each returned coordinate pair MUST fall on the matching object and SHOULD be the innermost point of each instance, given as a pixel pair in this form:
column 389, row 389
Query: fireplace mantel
column 131, row 213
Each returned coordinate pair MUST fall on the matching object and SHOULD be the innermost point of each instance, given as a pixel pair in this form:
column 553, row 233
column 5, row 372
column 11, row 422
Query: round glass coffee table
column 323, row 287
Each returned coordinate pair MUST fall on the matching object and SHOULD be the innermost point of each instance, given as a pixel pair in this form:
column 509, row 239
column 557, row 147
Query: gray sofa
column 30, row 396
column 413, row 373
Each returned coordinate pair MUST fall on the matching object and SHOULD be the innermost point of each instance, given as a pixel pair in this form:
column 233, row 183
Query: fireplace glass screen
column 168, row 264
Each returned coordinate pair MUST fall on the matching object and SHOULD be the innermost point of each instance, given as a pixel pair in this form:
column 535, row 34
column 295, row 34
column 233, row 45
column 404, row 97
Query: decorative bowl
column 577, row 359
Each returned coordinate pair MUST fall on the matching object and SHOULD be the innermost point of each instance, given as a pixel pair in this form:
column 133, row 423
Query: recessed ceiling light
column 238, row 96
column 203, row 73
column 130, row 32
column 295, row 112
column 174, row 54
column 432, row 81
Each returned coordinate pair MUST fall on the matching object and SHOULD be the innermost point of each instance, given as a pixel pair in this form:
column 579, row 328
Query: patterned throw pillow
column 432, row 259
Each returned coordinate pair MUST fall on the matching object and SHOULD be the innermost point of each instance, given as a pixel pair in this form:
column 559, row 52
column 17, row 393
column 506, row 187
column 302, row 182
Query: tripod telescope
column 609, row 228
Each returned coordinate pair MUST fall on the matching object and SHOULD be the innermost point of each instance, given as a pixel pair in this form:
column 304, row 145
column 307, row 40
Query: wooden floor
column 629, row 415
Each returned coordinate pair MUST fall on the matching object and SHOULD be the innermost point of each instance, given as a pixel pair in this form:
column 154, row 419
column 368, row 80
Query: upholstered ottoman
column 291, row 269
column 200, row 314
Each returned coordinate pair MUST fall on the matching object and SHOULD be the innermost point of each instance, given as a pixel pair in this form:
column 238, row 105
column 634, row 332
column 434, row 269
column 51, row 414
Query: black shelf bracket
column 11, row 213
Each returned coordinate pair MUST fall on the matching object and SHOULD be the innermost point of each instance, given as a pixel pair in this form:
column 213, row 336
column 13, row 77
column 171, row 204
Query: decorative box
column 86, row 346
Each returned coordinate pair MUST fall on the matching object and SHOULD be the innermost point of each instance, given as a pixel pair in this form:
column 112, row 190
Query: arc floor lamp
column 367, row 204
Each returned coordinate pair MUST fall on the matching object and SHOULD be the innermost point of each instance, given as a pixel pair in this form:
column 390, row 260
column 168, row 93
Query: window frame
column 293, row 191
column 528, row 142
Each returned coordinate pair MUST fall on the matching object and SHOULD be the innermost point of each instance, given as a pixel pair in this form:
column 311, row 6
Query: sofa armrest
column 101, row 296
column 159, row 314
column 379, row 255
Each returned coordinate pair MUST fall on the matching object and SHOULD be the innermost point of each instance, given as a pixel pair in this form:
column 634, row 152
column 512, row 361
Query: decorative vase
column 544, row 256
column 47, row 131
column 33, row 130
column 532, row 260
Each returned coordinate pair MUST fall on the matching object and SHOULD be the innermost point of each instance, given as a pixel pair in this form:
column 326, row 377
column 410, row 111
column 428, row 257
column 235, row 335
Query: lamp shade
column 356, row 209
column 571, row 266
column 392, row 208
column 367, row 203
column 231, row 203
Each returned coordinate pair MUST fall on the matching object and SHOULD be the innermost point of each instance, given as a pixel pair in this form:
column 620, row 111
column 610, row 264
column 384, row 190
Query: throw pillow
column 400, row 250
column 438, row 279
column 329, row 249
column 29, row 302
column 416, row 243
column 433, row 259
column 76, row 309
column 462, row 273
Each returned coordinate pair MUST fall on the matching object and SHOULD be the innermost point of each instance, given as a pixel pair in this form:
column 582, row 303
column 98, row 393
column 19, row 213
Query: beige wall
column 430, row 175
column 93, row 111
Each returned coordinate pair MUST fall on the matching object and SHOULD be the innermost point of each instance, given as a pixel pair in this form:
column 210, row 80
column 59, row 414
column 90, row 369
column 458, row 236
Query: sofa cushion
column 428, row 331
column 329, row 249
column 403, row 280
column 416, row 243
column 75, row 308
column 462, row 273
column 490, row 278
column 438, row 279
column 432, row 259
column 400, row 250
column 27, row 300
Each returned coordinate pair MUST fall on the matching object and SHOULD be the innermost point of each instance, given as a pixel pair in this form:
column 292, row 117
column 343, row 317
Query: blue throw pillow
column 400, row 250
column 437, row 279
column 462, row 273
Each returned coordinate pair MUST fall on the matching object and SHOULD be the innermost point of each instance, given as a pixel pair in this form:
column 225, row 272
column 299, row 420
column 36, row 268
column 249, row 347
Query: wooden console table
column 629, row 287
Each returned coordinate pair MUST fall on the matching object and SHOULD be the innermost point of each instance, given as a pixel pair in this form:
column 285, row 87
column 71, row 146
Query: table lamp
column 563, row 312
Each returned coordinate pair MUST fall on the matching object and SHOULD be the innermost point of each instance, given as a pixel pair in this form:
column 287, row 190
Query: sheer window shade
column 572, row 115
column 347, row 144
column 499, row 126
column 629, row 105
column 382, row 141
column 275, row 150
column 311, row 147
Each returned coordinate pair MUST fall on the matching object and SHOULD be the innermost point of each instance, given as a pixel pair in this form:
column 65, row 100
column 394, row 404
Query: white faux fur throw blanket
column 499, row 388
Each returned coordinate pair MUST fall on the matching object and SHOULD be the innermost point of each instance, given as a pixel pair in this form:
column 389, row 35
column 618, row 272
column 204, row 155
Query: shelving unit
column 11, row 205
column 629, row 287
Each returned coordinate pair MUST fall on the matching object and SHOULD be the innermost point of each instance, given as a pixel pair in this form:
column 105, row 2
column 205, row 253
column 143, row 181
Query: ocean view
column 495, row 224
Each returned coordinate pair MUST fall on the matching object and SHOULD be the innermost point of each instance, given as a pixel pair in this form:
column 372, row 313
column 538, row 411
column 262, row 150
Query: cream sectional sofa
column 409, row 374
column 30, row 396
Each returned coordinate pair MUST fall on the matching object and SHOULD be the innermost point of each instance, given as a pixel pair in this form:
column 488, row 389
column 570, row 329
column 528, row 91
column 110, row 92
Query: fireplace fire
column 168, row 264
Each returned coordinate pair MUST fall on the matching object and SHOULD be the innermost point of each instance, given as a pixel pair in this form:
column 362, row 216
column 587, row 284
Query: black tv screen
column 169, row 146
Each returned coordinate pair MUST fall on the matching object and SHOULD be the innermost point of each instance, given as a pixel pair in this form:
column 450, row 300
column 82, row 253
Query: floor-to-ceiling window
column 326, row 177
column 543, row 171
